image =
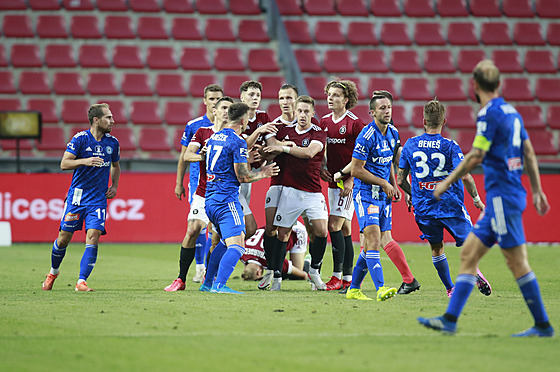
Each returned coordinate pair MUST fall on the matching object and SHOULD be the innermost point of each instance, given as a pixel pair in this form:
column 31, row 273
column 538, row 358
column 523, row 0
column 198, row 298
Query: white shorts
column 296, row 202
column 273, row 196
column 301, row 233
column 244, row 205
column 198, row 212
column 245, row 190
column 342, row 206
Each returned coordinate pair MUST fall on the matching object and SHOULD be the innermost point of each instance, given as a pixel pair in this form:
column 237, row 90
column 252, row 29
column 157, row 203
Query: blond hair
column 434, row 113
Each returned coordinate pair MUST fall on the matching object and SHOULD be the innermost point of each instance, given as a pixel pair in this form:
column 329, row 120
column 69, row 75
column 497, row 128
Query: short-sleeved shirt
column 89, row 184
column 200, row 139
column 430, row 159
column 377, row 150
column 190, row 129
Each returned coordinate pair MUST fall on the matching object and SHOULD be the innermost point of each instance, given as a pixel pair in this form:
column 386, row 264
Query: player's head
column 305, row 110
column 238, row 113
column 384, row 93
column 341, row 95
column 287, row 96
column 251, row 92
column 381, row 108
column 434, row 114
column 252, row 271
column 212, row 93
column 486, row 77
column 221, row 110
column 100, row 115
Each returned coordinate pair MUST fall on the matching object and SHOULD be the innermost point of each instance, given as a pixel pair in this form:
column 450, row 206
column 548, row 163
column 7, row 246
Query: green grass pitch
column 130, row 324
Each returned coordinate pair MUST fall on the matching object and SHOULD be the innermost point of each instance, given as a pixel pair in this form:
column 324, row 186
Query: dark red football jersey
column 200, row 138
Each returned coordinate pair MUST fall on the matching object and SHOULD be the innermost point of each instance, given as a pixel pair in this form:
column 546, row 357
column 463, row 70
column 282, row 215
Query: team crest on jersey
column 342, row 129
column 305, row 142
column 373, row 209
column 98, row 148
column 392, row 142
column 71, row 217
column 109, row 150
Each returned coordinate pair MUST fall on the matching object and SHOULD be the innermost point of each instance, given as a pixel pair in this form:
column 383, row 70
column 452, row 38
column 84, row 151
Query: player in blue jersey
column 226, row 168
column 429, row 158
column 503, row 148
column 94, row 156
column 212, row 93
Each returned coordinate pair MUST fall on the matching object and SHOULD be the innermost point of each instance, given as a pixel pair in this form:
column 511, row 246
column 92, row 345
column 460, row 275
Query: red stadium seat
column 460, row 116
column 232, row 84
column 271, row 85
column 102, row 84
column 387, row 84
column 34, row 82
column 82, row 5
column 229, row 59
column 439, row 61
column 94, row 56
column 429, row 34
column 399, row 117
column 553, row 117
column 532, row 116
column 85, row 27
column 321, row 110
column 112, row 5
column 199, row 82
column 26, row 55
column 319, row 7
column 10, row 104
column 416, row 89
column 161, row 57
column 3, row 58
column 298, row 31
column 244, row 7
column 290, row 7
column 337, row 61
column 356, row 8
column 254, row 30
column 419, row 8
column 458, row 8
column 308, row 60
column 52, row 139
column 273, row 111
column 385, row 8
column 51, row 26
column 117, row 109
column 362, row 112
column 316, row 86
column 127, row 56
column 11, row 144
column 395, row 34
column 405, row 61
column 417, row 119
column 450, row 89
column 518, row 8
column 461, row 33
column 70, row 83
column 7, row 83
column 540, row 61
column 543, row 142
column 125, row 135
column 195, row 59
column 144, row 5
column 517, row 89
column 60, row 55
column 485, row 8
column 358, row 81
column 170, row 85
column 547, row 8
column 118, row 27
column 47, row 107
column 145, row 112
column 219, row 29
column 405, row 134
column 553, row 34
column 211, row 6
column 507, row 60
column 177, row 139
column 186, row 29
column 263, row 60
column 44, row 4
column 329, row 32
column 178, row 113
column 178, row 6
column 362, row 33
column 467, row 59
column 154, row 139
column 528, row 34
column 136, row 85
column 152, row 28
column 495, row 33
column 548, row 89
column 18, row 25
column 372, row 60
column 13, row 5
column 465, row 139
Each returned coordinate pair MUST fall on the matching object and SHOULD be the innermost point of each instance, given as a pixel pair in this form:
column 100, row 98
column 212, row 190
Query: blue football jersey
column 377, row 150
column 430, row 159
column 190, row 129
column 89, row 184
column 224, row 149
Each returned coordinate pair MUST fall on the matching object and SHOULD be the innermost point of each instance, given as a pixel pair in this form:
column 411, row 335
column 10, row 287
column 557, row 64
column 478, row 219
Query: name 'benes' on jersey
column 89, row 184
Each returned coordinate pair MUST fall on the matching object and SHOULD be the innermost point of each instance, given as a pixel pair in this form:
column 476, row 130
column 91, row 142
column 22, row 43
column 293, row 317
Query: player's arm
column 69, row 161
column 181, row 170
column 246, row 175
column 325, row 174
column 263, row 129
column 393, row 179
column 470, row 185
column 299, row 152
column 532, row 168
column 358, row 170
column 472, row 160
column 191, row 155
column 402, row 180
column 115, row 177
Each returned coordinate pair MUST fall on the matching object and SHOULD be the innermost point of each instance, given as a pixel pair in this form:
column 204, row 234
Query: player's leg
column 317, row 251
column 396, row 255
column 335, row 223
column 269, row 239
column 199, row 255
column 216, row 255
column 57, row 255
column 89, row 258
column 348, row 260
column 432, row 230
column 249, row 219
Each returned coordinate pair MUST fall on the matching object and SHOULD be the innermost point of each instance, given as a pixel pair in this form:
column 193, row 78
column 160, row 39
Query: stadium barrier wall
column 146, row 209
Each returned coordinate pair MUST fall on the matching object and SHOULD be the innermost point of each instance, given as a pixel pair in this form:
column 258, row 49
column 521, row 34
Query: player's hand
column 274, row 148
column 326, row 175
column 398, row 194
column 202, row 152
column 389, row 190
column 348, row 186
column 439, row 190
column 111, row 192
column 268, row 128
column 408, row 201
column 270, row 170
column 337, row 176
column 254, row 154
column 179, row 191
column 93, row 161
column 480, row 205
column 541, row 203
column 289, row 143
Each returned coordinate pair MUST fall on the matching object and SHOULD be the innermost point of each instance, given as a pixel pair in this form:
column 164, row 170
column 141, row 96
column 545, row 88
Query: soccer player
column 429, row 158
column 503, row 148
column 94, row 156
column 301, row 191
column 343, row 127
column 212, row 93
column 197, row 219
column 226, row 167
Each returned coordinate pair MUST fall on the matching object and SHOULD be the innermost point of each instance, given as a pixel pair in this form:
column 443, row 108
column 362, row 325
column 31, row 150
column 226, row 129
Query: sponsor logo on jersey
column 515, row 164
column 382, row 160
column 70, row 145
column 336, row 140
column 430, row 185
column 71, row 217
column 373, row 209
column 342, row 129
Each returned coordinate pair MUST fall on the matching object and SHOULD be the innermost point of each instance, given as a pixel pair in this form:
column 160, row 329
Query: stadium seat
column 329, row 32
column 417, row 117
column 308, row 60
column 543, row 142
column 244, row 7
column 232, row 84
column 399, row 117
column 271, row 85
column 125, row 135
column 507, row 60
column 362, row 112
column 152, row 28
column 358, row 81
column 356, row 8
column 319, row 7
column 553, row 117
column 85, row 27
column 26, row 55
column 13, row 5
column 161, row 57
column 321, row 110
column 540, row 61
column 211, row 6
column 528, row 34
column 290, row 7
column 178, row 6
column 82, row 5
column 465, row 139
column 485, row 8
column 199, row 82
column 274, row 111
column 134, row 84
column 254, row 30
column 518, row 8
column 439, row 61
column 47, row 107
column 229, row 59
column 315, row 85
column 144, row 5
column 11, row 144
column 467, row 59
column 385, row 8
column 337, row 61
column 118, row 27
column 10, row 104
column 460, row 117
column 419, row 8
column 127, row 56
column 7, row 83
column 298, row 31
column 416, row 89
column 405, row 61
column 91, row 55
column 44, row 4
column 387, row 84
column 51, row 26
column 547, row 8
column 495, row 33
column 532, row 116
column 395, row 34
column 112, row 5
column 263, row 60
column 517, row 89
column 362, row 33
column 458, row 8
column 154, row 139
column 70, row 83
column 195, row 59
column 52, row 139
column 17, row 25
column 3, row 58
column 219, row 29
column 145, row 112
column 102, row 84
column 178, row 113
column 372, row 60
column 177, row 136
column 553, row 34
column 60, row 55
column 34, row 82
column 405, row 134
column 548, row 89
column 450, row 89
column 461, row 33
column 117, row 108
column 170, row 85
column 186, row 29
column 429, row 34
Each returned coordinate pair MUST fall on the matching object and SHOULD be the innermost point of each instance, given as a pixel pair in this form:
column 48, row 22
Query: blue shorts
column 373, row 212
column 501, row 223
column 432, row 228
column 74, row 216
column 227, row 217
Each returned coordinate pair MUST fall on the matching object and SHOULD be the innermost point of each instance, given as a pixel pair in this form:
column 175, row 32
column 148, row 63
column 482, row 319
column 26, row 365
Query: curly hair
column 349, row 90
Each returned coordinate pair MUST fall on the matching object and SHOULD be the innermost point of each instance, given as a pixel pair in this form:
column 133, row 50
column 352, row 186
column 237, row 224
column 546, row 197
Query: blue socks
column 463, row 288
column 532, row 295
column 57, row 255
column 227, row 264
column 375, row 269
column 442, row 267
column 360, row 271
column 214, row 263
column 88, row 261
column 200, row 247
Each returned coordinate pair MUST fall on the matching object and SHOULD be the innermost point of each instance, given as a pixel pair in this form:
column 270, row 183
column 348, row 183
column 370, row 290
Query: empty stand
column 461, row 33
column 82, row 5
column 136, row 84
column 553, row 117
column 199, row 82
column 485, row 8
column 540, row 61
column 319, row 7
column 161, row 57
column 385, row 8
column 170, row 85
column 254, row 30
column 47, row 107
column 429, row 34
column 495, row 33
column 356, row 8
column 547, row 8
column 548, row 89
column 406, row 134
column 457, row 8
column 308, row 60
column 13, row 5
column 60, row 55
column 119, row 27
column 532, row 116
column 219, row 29
column 26, row 55
column 362, row 112
column 439, row 61
column 144, row 5
column 553, row 34
column 85, row 27
column 152, row 28
column 321, row 110
column 262, row 60
column 507, row 60
column 195, row 59
column 145, row 112
column 34, row 82
column 102, row 84
column 337, row 61
column 117, row 109
column 178, row 6
column 112, row 5
column 417, row 117
column 518, row 8
column 178, row 113
column 91, row 55
column 17, row 25
column 416, row 89
column 395, row 34
column 405, row 61
column 362, row 33
column 51, row 26
column 357, row 80
column 467, row 59
column 211, row 6
column 154, row 139
column 316, row 85
column 3, row 58
column 517, row 89
column 450, row 89
column 399, row 117
column 329, row 32
column 544, row 139
column 8, row 104
column 244, row 7
column 273, row 110
column 460, row 117
column 271, row 85
column 179, row 132
column 387, row 84
column 127, row 56
column 372, row 60
column 7, row 83
column 528, row 34
column 186, row 29
column 232, row 84
column 125, row 135
column 229, row 59
column 52, row 139
column 465, row 139
column 419, row 8
column 70, row 83
column 298, row 31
